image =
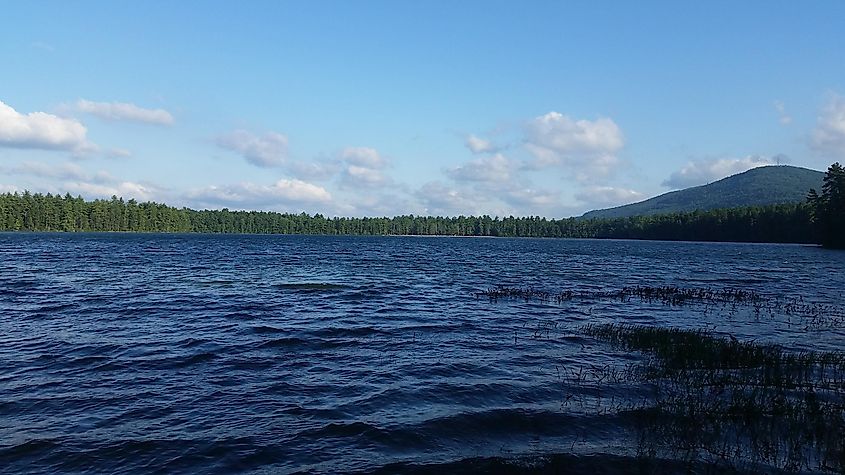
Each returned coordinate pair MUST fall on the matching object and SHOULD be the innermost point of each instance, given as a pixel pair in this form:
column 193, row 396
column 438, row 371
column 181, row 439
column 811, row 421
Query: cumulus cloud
column 829, row 134
column 478, row 145
column 783, row 117
column 494, row 168
column 354, row 176
column 608, row 196
column 40, row 130
column 363, row 168
column 284, row 192
column 122, row 189
column 440, row 199
column 363, row 157
column 268, row 150
column 315, row 170
column 377, row 204
column 588, row 148
column 532, row 198
column 706, row 171
column 117, row 111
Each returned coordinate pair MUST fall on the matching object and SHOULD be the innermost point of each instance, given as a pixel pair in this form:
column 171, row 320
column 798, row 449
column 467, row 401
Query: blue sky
column 435, row 107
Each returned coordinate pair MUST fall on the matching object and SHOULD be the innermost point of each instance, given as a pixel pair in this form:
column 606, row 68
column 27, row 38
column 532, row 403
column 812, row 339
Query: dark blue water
column 193, row 353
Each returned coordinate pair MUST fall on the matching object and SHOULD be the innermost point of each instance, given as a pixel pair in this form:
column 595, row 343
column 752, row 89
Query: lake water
column 174, row 353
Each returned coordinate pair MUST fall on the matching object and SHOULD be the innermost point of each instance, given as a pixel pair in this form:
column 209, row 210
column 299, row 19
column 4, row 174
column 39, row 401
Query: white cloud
column 315, row 170
column 70, row 177
column 378, row 204
column 245, row 195
column 268, row 150
column 478, row 145
column 116, row 111
column 40, row 130
column 440, row 199
column 494, row 168
column 829, row 134
column 587, row 148
column 608, row 196
column 363, row 168
column 65, row 171
column 532, row 197
column 783, row 117
column 121, row 189
column 356, row 176
column 8, row 188
column 118, row 153
column 706, row 171
column 363, row 157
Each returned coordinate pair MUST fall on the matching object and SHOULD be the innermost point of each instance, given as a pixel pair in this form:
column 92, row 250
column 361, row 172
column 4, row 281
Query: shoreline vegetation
column 34, row 212
column 820, row 220
column 707, row 399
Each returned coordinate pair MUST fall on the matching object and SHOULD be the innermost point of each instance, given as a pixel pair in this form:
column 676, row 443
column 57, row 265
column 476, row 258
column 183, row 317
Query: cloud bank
column 284, row 192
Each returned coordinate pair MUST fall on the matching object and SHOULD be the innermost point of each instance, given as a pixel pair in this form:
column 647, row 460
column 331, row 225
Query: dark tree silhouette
column 829, row 207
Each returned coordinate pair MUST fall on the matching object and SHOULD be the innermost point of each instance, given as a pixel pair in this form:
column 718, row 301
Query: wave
column 311, row 286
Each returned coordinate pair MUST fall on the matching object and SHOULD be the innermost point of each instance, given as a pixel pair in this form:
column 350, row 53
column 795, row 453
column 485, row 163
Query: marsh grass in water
column 809, row 314
column 732, row 403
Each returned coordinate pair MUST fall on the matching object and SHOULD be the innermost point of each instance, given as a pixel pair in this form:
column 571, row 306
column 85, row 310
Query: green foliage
column 761, row 186
column 829, row 207
column 36, row 212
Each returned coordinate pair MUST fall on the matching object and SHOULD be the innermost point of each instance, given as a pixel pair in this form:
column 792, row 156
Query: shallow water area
column 134, row 353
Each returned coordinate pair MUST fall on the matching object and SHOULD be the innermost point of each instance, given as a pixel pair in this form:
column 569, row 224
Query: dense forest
column 820, row 220
column 37, row 212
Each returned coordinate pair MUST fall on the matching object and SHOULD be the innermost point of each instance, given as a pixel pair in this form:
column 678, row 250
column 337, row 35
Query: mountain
column 756, row 187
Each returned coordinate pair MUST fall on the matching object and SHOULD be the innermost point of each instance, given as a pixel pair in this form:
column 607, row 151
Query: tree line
column 45, row 212
column 820, row 219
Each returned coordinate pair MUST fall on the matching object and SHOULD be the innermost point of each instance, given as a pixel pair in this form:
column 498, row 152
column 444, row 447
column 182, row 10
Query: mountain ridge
column 761, row 186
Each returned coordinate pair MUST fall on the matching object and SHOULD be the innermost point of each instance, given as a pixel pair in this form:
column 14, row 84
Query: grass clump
column 740, row 404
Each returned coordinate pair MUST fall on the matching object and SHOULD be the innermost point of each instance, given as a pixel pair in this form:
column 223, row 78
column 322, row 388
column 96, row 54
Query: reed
column 737, row 404
column 810, row 314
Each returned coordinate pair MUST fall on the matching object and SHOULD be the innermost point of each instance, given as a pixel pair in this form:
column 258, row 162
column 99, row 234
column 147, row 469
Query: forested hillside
column 761, row 186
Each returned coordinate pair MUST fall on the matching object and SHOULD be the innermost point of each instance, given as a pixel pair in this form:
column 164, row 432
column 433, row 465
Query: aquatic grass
column 811, row 314
column 677, row 348
column 699, row 396
column 736, row 403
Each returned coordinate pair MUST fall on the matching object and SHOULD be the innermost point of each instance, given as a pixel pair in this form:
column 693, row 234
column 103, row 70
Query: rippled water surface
column 173, row 353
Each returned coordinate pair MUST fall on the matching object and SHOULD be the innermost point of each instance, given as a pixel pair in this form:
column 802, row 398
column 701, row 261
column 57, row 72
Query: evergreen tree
column 829, row 207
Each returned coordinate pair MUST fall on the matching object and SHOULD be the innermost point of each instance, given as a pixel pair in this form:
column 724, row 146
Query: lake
column 137, row 353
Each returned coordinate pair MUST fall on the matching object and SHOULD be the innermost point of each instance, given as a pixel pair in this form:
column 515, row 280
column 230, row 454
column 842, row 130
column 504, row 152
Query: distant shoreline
column 426, row 236
column 785, row 223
